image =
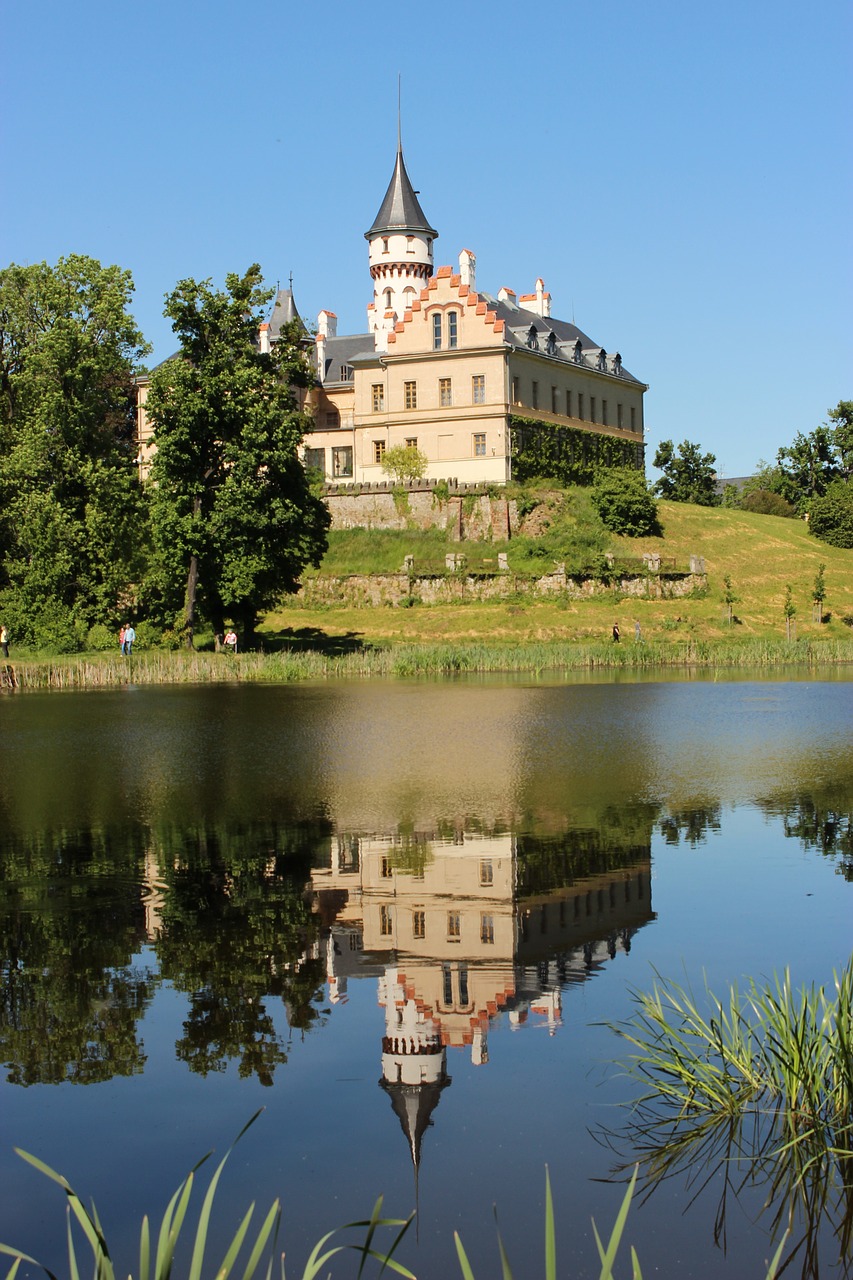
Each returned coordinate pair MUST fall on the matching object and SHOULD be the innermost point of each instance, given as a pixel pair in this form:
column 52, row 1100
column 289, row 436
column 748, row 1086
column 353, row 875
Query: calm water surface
column 396, row 916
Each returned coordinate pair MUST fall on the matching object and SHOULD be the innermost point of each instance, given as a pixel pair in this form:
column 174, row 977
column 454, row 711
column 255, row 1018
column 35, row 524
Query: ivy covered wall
column 566, row 453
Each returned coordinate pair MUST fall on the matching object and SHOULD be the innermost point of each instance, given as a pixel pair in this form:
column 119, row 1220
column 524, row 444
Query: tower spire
column 399, row 114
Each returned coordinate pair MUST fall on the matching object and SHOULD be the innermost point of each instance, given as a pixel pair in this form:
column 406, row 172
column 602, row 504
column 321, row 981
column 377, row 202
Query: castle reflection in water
column 460, row 932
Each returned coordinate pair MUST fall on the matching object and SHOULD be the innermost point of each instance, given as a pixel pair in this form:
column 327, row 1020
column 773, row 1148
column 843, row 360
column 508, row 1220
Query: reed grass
column 438, row 659
column 258, row 1254
column 760, row 1081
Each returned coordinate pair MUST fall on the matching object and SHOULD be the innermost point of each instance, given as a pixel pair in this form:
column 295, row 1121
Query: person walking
column 121, row 636
column 616, row 635
column 129, row 637
column 4, row 641
column 230, row 641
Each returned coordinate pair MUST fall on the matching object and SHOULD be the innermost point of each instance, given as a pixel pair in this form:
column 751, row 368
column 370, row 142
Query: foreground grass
column 354, row 660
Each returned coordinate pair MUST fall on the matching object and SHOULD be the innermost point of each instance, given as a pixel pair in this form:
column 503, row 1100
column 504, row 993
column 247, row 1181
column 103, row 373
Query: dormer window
column 578, row 352
column 551, row 344
column 617, row 365
column 533, row 338
column 346, row 373
column 602, row 361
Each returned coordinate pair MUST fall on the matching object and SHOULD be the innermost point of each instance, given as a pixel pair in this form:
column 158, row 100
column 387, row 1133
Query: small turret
column 400, row 253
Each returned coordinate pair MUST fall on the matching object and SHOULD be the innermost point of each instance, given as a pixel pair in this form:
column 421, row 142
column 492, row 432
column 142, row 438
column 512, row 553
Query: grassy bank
column 294, row 664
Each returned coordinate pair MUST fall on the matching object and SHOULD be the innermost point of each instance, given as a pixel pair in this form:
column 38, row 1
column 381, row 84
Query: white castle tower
column 400, row 251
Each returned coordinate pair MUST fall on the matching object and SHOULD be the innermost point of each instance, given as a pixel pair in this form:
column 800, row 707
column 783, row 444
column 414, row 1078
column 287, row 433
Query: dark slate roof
column 400, row 210
column 343, row 351
column 284, row 310
column 518, row 322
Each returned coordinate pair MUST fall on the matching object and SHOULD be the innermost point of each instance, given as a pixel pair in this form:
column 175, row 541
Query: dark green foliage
column 72, row 526
column 764, row 503
column 831, row 517
column 235, row 519
column 623, row 500
column 568, row 454
column 688, row 474
column 808, row 467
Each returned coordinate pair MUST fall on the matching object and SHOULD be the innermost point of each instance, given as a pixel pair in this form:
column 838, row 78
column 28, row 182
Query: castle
column 458, row 373
column 488, row 388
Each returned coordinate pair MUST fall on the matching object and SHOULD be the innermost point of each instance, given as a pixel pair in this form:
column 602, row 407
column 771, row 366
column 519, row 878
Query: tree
column 623, row 501
column 235, row 520
column 764, row 502
column 71, row 515
column 688, row 474
column 841, row 418
column 730, row 598
column 831, row 517
column 789, row 609
column 404, row 464
column 819, row 593
column 808, row 467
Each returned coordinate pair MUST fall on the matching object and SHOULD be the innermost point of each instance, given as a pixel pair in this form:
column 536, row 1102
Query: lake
column 398, row 916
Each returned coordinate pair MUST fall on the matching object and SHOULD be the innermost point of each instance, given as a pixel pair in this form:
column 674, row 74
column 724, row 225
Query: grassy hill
column 761, row 555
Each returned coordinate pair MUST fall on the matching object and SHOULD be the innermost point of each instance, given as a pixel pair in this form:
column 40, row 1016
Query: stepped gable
column 446, row 280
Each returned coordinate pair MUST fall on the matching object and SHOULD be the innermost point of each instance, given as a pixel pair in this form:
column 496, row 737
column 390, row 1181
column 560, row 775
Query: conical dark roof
column 413, row 1105
column 400, row 210
column 283, row 312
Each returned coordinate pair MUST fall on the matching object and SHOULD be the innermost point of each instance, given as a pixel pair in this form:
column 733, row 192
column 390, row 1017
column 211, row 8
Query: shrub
column 622, row 499
column 764, row 503
column 148, row 635
column 404, row 464
column 831, row 517
column 101, row 638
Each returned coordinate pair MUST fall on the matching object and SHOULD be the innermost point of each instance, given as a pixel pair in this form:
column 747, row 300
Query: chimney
column 327, row 324
column 264, row 339
column 468, row 268
column 508, row 295
column 321, row 355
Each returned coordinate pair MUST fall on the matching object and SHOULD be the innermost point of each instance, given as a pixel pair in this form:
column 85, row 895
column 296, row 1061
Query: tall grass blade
column 550, row 1240
column 224, row 1268
column 464, row 1264
column 269, row 1228
column 144, row 1249
column 607, row 1255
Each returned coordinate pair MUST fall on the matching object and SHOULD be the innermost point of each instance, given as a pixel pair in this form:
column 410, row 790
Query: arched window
column 551, row 344
column 452, row 331
column 533, row 338
column 602, row 360
column 388, row 297
column 578, row 352
column 436, row 331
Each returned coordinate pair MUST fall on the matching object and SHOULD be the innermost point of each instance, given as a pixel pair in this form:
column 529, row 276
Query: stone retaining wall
column 468, row 512
column 393, row 589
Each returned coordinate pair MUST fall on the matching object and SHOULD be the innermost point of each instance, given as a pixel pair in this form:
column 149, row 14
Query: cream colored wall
column 553, row 373
column 144, row 431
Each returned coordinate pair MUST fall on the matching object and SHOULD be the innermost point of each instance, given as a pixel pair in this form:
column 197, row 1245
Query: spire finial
column 399, row 117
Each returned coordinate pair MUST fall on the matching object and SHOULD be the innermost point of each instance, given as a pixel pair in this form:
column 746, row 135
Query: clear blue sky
column 678, row 174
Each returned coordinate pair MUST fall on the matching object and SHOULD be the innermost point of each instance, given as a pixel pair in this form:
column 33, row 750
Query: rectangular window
column 592, row 408
column 346, row 373
column 385, row 868
column 333, row 419
column 418, row 924
column 604, row 413
column 479, row 444
column 478, row 388
column 378, row 450
column 534, row 394
column 447, row 975
column 464, row 1000
column 386, row 921
column 516, row 391
column 436, row 331
column 633, row 418
column 487, row 928
column 568, row 404
column 378, row 391
column 487, row 872
column 445, row 396
column 342, row 461
column 410, row 244
column 410, row 394
column 618, row 415
column 451, row 329
column 580, row 405
column 454, row 925
column 554, row 400
column 411, row 442
column 316, row 459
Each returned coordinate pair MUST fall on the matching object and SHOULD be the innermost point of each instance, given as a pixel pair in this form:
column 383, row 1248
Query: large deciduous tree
column 235, row 521
column 688, row 474
column 71, row 520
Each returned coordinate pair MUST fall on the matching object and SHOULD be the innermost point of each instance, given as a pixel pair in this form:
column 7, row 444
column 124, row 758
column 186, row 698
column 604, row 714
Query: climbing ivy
column 567, row 454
